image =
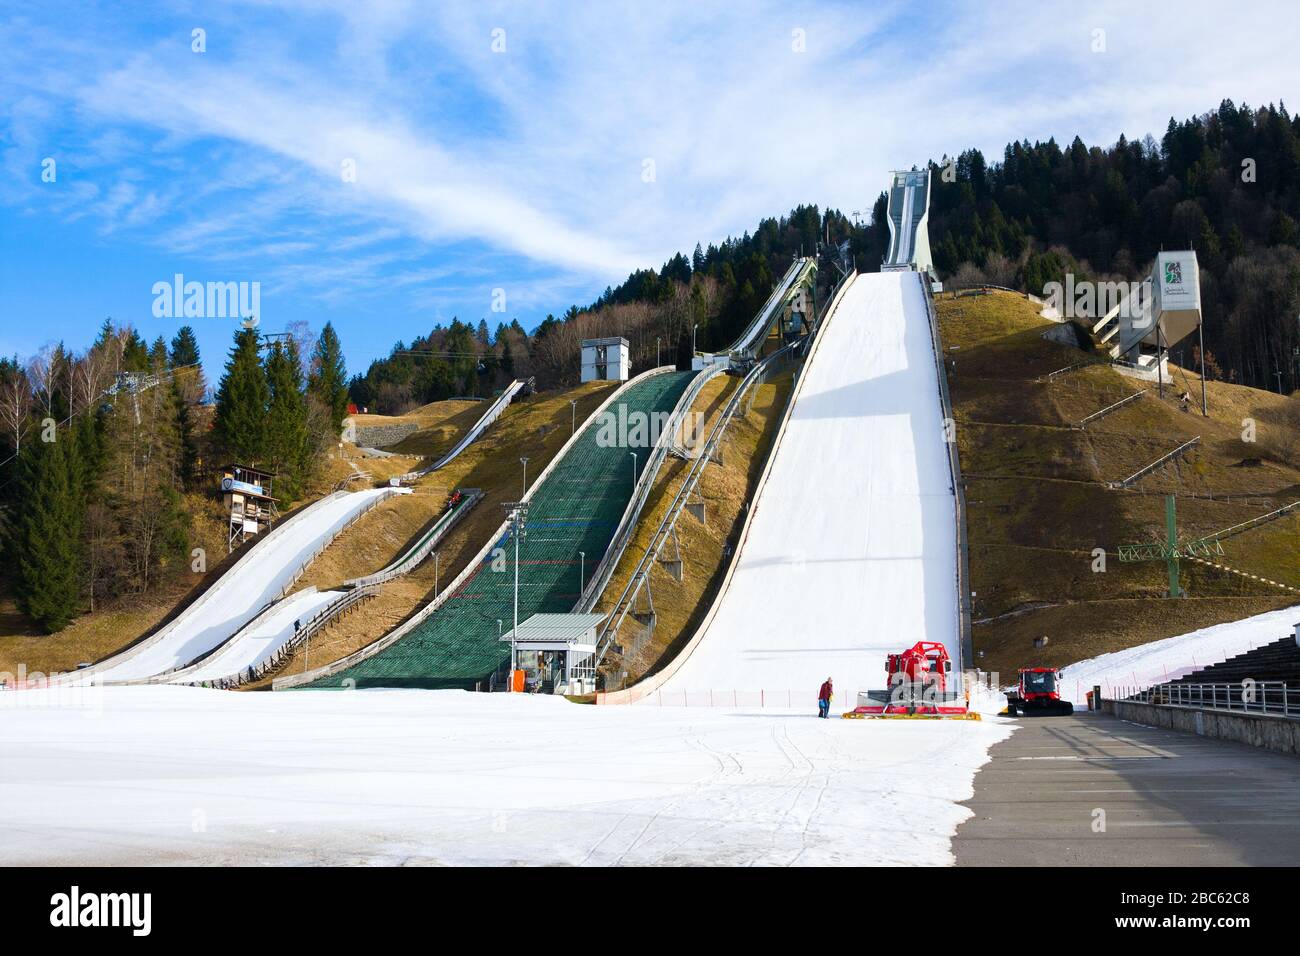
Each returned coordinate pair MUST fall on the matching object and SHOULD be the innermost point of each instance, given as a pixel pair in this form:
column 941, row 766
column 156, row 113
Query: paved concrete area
column 1165, row 799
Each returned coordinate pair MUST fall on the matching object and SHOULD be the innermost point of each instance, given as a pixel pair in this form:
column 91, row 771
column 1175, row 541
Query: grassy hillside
column 1038, row 503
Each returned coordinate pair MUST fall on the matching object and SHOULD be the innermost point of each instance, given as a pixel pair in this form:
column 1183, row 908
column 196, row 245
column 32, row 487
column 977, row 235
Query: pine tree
column 46, row 529
column 287, row 446
column 185, row 348
column 188, row 387
column 242, row 398
column 328, row 381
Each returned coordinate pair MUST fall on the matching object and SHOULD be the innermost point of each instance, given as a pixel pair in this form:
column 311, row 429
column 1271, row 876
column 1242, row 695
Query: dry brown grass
column 1037, row 504
column 87, row 639
column 726, row 489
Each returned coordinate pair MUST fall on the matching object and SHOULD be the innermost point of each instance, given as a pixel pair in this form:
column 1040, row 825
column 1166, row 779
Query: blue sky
column 521, row 168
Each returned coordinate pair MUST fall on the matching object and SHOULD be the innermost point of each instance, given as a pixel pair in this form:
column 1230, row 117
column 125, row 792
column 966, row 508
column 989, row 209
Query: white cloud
column 537, row 152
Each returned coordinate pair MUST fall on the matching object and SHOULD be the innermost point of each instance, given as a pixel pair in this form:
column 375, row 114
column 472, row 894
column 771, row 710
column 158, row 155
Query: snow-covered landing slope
column 850, row 553
column 257, row 579
column 389, row 776
column 258, row 640
column 1159, row 661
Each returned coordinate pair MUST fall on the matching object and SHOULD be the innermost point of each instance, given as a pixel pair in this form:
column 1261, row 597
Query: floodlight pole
column 524, row 462
column 573, row 416
column 633, row 454
column 518, row 515
column 582, row 572
column 656, row 351
column 514, row 633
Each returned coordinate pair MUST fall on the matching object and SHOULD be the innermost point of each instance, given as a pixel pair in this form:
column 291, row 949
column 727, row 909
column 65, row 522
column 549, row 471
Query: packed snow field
column 162, row 774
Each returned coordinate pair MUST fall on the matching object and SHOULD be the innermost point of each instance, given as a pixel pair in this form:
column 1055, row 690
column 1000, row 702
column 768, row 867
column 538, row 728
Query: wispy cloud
column 510, row 144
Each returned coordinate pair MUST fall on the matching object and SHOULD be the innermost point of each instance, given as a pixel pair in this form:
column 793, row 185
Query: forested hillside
column 109, row 455
column 1226, row 184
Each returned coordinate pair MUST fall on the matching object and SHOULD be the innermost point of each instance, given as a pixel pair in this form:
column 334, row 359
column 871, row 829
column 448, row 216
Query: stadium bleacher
column 1276, row 661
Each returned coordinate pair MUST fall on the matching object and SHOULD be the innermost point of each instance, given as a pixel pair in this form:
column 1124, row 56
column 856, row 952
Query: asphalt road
column 1093, row 790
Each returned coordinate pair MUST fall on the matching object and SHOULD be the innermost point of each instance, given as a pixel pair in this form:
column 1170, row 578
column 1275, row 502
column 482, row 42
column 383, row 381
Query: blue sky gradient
column 521, row 169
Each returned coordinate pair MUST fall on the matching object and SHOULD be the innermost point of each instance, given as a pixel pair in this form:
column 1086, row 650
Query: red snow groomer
column 919, row 688
column 1038, row 693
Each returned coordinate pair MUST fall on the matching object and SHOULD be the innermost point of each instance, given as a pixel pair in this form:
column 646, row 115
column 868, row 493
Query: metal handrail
column 1158, row 463
column 1272, row 698
column 414, row 556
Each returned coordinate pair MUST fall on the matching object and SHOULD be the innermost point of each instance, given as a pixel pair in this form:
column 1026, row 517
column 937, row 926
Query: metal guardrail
column 964, row 610
column 1067, row 369
column 317, row 623
column 1158, row 463
column 1271, row 698
column 407, row 562
column 1083, row 422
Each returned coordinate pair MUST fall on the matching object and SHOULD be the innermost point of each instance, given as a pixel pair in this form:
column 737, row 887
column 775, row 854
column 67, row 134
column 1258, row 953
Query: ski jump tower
column 909, row 223
column 1157, row 314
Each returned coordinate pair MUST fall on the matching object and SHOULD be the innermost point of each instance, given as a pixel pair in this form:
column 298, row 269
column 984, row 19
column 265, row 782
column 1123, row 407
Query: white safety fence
column 803, row 698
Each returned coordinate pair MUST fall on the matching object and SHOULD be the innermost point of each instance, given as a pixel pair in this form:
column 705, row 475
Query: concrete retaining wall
column 1258, row 730
column 381, row 436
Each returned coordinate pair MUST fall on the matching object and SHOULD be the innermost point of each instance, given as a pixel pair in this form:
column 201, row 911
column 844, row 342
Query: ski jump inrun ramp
column 850, row 551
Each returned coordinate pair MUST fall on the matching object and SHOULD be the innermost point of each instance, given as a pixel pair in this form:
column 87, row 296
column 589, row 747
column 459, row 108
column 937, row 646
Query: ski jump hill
column 244, row 619
column 851, row 548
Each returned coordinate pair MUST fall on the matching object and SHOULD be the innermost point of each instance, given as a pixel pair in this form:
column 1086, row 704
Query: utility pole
column 1160, row 369
column 1200, row 334
column 518, row 518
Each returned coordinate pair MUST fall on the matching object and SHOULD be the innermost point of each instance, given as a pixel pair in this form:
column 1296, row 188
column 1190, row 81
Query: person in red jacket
column 824, row 697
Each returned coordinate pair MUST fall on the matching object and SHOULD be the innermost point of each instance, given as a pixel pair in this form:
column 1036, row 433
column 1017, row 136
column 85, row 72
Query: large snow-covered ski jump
column 850, row 550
